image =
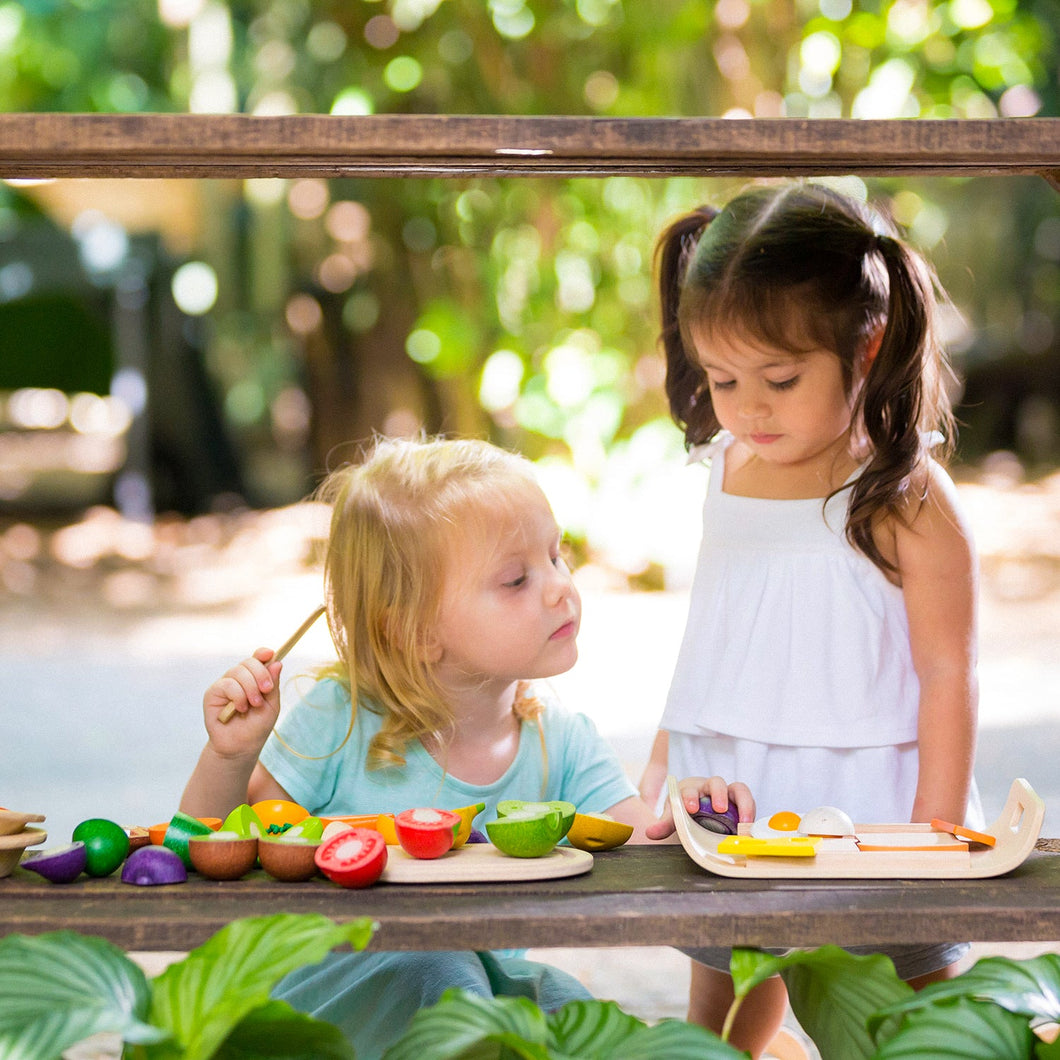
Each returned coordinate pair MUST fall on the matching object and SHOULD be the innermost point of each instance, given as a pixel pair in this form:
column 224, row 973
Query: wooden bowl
column 12, row 822
column 222, row 859
column 288, row 861
column 12, row 846
column 139, row 837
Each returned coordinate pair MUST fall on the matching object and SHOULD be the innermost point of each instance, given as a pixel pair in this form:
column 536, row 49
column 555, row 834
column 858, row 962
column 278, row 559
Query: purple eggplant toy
column 724, row 823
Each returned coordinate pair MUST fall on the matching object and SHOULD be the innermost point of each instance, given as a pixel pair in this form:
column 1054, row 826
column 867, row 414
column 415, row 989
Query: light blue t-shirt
column 582, row 768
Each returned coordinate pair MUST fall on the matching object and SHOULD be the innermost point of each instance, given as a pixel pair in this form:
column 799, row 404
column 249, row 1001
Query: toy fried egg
column 821, row 821
column 784, row 823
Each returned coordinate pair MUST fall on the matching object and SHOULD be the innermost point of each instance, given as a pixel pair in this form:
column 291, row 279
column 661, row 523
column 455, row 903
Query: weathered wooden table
column 430, row 145
column 634, row 896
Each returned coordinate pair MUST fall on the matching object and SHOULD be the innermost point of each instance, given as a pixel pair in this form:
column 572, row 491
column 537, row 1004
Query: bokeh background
column 195, row 346
column 181, row 360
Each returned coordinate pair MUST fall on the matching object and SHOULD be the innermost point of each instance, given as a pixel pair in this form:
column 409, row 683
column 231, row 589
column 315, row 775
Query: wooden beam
column 652, row 895
column 432, row 145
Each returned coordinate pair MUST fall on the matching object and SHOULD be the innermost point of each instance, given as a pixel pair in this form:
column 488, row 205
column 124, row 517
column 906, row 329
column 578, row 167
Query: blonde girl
column 448, row 601
column 829, row 656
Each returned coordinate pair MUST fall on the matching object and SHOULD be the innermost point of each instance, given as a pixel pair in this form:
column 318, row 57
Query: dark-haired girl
column 830, row 652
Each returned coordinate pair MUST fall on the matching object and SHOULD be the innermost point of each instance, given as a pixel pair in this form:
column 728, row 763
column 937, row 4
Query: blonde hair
column 395, row 518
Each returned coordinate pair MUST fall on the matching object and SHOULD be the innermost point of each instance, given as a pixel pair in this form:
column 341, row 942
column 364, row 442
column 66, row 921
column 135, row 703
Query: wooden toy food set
column 419, row 845
column 932, row 850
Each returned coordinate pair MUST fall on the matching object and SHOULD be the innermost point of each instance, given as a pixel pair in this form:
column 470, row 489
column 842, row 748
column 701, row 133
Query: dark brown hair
column 802, row 267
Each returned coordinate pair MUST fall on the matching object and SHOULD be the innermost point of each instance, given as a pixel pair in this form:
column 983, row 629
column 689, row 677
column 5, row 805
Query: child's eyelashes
column 560, row 560
column 514, row 575
column 773, row 384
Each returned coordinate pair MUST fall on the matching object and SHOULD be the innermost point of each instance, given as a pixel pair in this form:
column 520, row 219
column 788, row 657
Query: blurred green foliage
column 524, row 308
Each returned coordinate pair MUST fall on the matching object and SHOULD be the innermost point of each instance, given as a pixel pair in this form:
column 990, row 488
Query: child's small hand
column 250, row 688
column 714, row 788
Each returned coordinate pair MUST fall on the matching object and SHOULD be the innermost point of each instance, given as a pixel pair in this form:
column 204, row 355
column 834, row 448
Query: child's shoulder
column 325, row 686
column 932, row 515
column 325, row 694
column 932, row 491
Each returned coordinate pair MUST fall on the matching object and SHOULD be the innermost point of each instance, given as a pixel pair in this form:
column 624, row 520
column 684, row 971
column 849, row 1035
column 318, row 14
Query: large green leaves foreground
column 856, row 1008
column 465, row 1027
column 60, row 988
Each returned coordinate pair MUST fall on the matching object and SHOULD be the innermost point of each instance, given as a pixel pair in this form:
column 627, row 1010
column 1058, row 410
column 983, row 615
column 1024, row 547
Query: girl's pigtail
column 684, row 377
column 897, row 387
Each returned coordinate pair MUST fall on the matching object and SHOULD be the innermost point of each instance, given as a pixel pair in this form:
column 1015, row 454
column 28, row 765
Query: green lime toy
column 106, row 845
column 244, row 821
column 309, row 828
column 527, row 833
column 566, row 810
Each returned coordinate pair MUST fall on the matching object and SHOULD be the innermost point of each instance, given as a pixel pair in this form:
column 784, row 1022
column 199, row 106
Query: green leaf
column 960, row 1030
column 277, row 1030
column 600, row 1030
column 470, row 1027
column 467, row 1026
column 672, row 1039
column 1047, row 1050
column 591, row 1028
column 832, row 993
column 1029, row 988
column 59, row 988
column 202, row 998
column 751, row 967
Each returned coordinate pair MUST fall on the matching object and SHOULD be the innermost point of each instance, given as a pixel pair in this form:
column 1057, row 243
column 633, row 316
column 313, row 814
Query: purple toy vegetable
column 153, row 866
column 725, row 823
column 60, row 864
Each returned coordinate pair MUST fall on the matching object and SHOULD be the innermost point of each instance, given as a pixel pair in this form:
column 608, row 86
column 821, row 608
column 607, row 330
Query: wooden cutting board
column 1015, row 831
column 483, row 863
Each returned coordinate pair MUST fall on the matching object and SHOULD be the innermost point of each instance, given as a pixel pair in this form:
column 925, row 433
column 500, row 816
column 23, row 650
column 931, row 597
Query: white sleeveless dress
column 795, row 673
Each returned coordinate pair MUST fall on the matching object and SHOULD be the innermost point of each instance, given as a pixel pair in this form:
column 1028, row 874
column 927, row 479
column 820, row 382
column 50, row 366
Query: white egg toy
column 826, row 821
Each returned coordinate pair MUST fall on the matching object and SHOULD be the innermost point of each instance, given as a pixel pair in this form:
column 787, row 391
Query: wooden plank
column 634, row 896
column 46, row 145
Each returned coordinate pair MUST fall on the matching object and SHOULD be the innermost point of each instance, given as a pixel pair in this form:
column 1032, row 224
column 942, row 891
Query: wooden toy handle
column 225, row 716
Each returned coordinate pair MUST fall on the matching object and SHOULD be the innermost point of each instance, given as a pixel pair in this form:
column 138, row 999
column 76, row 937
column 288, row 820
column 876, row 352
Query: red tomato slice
column 426, row 833
column 353, row 858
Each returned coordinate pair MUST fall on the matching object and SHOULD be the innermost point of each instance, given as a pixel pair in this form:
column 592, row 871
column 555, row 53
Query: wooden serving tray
column 1016, row 830
column 483, row 863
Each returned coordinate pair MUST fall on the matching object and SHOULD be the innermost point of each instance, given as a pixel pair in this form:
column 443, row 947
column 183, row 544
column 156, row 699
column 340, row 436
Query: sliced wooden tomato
column 426, row 833
column 355, row 857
